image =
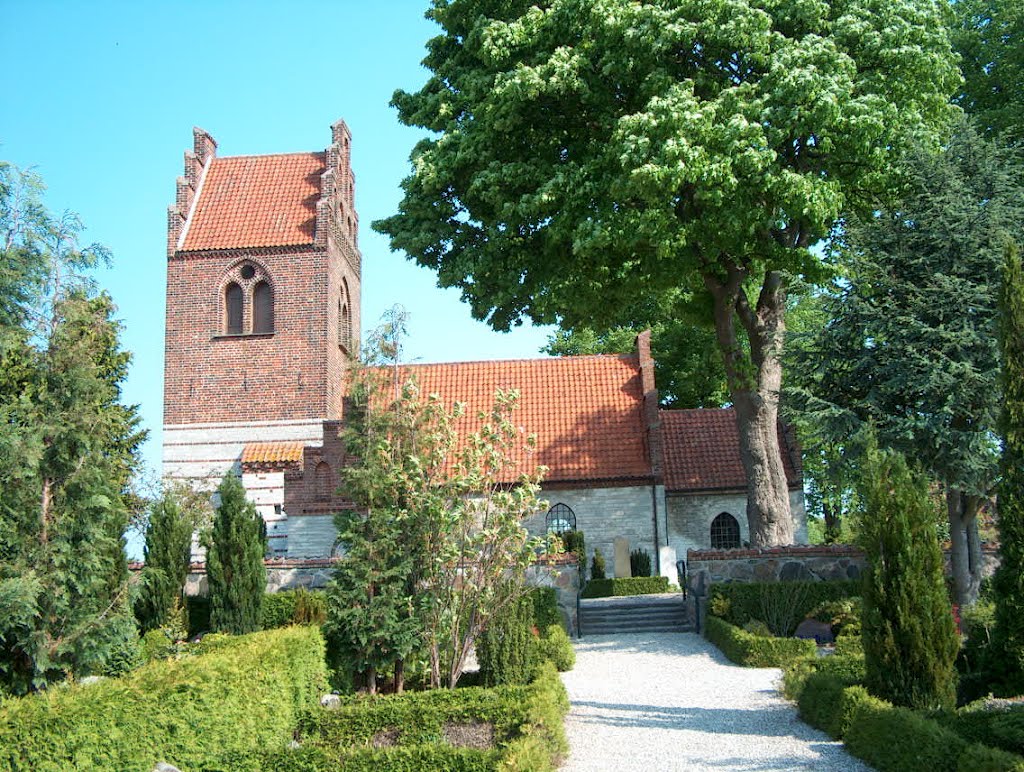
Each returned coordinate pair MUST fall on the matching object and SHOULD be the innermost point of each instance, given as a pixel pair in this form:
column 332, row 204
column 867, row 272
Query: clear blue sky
column 100, row 98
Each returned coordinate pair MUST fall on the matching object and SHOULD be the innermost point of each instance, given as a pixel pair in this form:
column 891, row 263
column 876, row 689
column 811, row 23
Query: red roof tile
column 702, row 451
column 585, row 411
column 256, row 201
column 279, row 453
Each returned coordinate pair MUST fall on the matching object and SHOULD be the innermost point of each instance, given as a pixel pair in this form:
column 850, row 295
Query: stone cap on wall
column 568, row 559
column 794, row 550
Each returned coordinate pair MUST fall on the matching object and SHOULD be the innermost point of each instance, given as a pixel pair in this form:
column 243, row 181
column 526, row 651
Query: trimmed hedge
column 625, row 586
column 528, row 731
column 743, row 601
column 896, row 739
column 279, row 609
column 998, row 727
column 981, row 758
column 217, row 711
column 751, row 650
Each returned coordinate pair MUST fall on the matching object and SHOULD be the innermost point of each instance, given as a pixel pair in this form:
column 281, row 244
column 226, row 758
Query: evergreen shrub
column 528, row 730
column 597, row 567
column 545, row 607
column 738, row 603
column 235, row 571
column 981, row 758
column 997, row 725
column 555, row 646
column 640, row 562
column 897, row 739
column 751, row 650
column 505, row 646
column 576, row 543
column 625, row 586
column 219, row 710
column 908, row 631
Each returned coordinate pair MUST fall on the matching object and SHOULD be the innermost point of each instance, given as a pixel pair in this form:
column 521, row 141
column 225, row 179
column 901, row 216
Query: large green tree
column 988, row 35
column 68, row 449
column 911, row 343
column 1009, row 579
column 587, row 156
column 235, row 570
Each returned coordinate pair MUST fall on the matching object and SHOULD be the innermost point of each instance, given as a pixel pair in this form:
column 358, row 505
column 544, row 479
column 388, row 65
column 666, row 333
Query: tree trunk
column 371, row 679
column 399, row 676
column 965, row 554
column 755, row 378
column 435, row 666
column 832, row 526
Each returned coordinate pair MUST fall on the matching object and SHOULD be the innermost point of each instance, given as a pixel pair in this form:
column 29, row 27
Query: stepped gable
column 256, row 201
column 702, row 451
column 587, row 411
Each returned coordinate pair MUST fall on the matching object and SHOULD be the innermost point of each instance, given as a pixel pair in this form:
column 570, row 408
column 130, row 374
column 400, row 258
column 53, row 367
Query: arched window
column 233, row 309
column 560, row 519
column 322, row 481
column 262, row 308
column 725, row 532
column 344, row 318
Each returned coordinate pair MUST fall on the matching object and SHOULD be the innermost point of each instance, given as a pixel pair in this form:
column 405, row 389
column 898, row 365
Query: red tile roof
column 277, row 453
column 585, row 411
column 702, row 451
column 256, row 201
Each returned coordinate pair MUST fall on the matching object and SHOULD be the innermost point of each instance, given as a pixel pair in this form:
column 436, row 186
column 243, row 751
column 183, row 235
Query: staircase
column 665, row 613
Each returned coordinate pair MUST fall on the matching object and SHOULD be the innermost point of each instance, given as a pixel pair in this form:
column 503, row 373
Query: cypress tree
column 910, row 640
column 234, row 562
column 1009, row 579
column 167, row 552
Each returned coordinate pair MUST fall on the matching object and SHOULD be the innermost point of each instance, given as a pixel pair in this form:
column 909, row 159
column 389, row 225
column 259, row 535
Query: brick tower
column 263, row 301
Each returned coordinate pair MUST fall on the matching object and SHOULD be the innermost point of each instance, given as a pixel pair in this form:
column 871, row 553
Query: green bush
column 981, row 758
column 625, row 586
column 789, row 602
column 597, row 567
column 750, row 650
column 895, row 739
column 278, row 609
column 990, row 722
column 310, row 607
column 555, row 646
column 545, row 607
column 847, row 669
column 219, row 710
column 505, row 646
column 843, row 614
column 849, row 646
column 640, row 562
column 527, row 720
column 574, row 542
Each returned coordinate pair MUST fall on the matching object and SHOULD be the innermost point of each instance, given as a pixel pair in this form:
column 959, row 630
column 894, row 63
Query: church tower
column 263, row 314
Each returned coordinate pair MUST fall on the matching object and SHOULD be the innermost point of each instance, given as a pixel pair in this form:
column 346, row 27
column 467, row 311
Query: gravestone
column 667, row 563
column 622, row 568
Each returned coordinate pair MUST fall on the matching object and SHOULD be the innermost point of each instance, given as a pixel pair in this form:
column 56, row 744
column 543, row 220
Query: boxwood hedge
column 624, row 586
column 220, row 710
column 751, row 650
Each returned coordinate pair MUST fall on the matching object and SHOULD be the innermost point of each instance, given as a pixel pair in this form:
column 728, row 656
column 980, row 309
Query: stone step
column 614, row 629
column 644, row 613
column 638, row 614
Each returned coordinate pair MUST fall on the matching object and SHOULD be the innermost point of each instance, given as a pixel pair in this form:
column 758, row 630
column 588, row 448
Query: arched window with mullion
column 233, row 301
column 262, row 308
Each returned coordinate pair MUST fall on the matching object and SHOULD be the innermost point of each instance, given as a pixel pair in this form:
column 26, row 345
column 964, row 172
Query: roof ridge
column 269, row 155
column 575, row 357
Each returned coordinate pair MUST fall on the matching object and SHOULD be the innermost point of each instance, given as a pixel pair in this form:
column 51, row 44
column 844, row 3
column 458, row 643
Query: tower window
column 560, row 519
column 262, row 308
column 725, row 532
column 233, row 309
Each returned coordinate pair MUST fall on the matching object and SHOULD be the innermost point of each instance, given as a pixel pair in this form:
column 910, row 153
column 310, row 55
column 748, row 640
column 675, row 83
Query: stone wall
column 561, row 573
column 604, row 514
column 769, row 564
column 689, row 517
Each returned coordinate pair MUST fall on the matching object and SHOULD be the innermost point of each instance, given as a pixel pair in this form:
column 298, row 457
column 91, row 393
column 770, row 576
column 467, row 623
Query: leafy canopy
column 590, row 153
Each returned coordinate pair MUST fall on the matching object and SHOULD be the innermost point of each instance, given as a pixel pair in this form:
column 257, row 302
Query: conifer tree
column 234, row 562
column 910, row 640
column 167, row 553
column 1009, row 579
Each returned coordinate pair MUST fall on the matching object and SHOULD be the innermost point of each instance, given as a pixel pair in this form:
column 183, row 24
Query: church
column 263, row 315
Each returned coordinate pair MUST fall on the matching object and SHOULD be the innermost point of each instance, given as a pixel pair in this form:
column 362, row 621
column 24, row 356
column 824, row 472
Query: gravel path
column 656, row 702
